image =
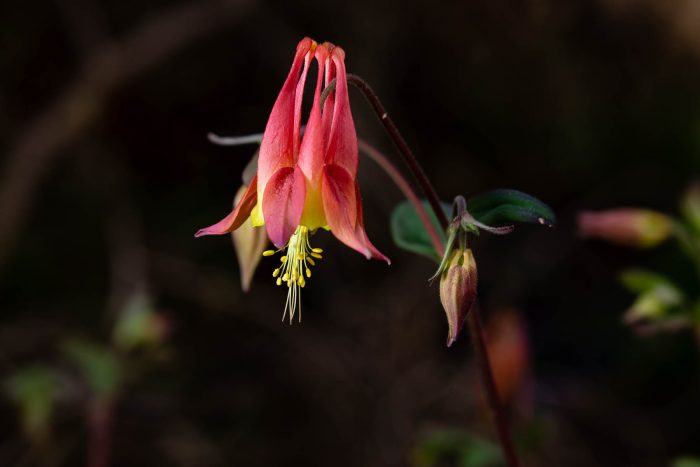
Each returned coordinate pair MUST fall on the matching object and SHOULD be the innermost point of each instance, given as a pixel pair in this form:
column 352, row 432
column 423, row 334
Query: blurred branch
column 111, row 67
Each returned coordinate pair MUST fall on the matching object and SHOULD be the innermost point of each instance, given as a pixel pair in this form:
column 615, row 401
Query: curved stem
column 391, row 170
column 100, row 423
column 475, row 328
column 401, row 145
column 495, row 408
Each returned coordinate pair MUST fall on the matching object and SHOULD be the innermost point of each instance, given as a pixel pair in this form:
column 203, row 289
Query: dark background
column 107, row 173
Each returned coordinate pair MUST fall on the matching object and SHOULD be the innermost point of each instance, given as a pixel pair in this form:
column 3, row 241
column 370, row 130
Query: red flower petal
column 238, row 216
column 343, row 207
column 280, row 141
column 360, row 228
column 283, row 204
column 342, row 139
column 313, row 145
column 330, row 99
column 339, row 201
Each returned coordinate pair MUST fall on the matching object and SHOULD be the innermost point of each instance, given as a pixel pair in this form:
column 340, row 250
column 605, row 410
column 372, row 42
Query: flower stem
column 482, row 359
column 100, row 424
column 474, row 320
column 405, row 187
column 401, row 145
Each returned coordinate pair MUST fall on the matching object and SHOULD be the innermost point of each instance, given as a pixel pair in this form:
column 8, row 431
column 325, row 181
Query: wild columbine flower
column 303, row 184
column 642, row 228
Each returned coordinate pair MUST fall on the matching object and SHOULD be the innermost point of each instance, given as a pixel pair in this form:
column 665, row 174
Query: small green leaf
column 499, row 207
column 34, row 390
column 138, row 324
column 99, row 366
column 408, row 230
column 640, row 280
column 456, row 447
column 657, row 296
column 686, row 462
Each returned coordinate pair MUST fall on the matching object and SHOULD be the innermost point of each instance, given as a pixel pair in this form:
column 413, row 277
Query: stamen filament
column 296, row 264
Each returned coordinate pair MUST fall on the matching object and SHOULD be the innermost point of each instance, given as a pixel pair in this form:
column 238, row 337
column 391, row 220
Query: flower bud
column 458, row 290
column 641, row 228
column 249, row 243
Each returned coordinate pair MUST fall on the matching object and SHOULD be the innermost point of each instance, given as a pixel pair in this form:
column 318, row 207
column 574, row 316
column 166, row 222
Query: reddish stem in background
column 405, row 187
column 100, row 426
column 475, row 329
column 496, row 409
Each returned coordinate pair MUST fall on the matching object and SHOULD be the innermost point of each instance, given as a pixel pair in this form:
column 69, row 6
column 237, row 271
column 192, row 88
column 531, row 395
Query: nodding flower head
column 310, row 182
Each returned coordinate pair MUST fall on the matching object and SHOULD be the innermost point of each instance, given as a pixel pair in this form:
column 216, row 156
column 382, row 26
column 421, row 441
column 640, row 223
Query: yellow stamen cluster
column 295, row 268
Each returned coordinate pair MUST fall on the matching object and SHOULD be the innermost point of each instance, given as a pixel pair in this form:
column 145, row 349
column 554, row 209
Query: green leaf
column 657, row 297
column 458, row 447
column 408, row 230
column 640, row 280
column 138, row 324
column 499, row 207
column 686, row 462
column 99, row 366
column 34, row 389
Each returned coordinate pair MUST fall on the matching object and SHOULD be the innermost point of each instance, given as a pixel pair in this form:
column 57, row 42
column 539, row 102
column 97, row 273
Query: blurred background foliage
column 119, row 331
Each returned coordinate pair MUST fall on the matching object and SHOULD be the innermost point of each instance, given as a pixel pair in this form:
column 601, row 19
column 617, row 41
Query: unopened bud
column 458, row 290
column 250, row 243
column 641, row 228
